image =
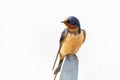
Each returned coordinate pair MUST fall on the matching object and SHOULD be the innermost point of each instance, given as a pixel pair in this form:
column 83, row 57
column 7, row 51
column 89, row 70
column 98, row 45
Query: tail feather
column 55, row 61
column 58, row 68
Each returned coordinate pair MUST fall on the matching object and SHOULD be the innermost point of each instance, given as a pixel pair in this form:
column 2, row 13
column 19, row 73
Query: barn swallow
column 71, row 40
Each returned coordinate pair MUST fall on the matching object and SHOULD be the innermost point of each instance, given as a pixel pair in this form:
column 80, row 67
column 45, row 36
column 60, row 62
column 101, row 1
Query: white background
column 30, row 32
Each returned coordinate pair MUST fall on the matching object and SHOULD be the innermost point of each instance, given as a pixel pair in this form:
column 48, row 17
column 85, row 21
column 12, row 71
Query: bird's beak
column 65, row 22
column 62, row 21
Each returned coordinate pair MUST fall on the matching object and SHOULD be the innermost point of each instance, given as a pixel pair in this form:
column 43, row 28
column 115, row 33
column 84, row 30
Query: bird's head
column 72, row 23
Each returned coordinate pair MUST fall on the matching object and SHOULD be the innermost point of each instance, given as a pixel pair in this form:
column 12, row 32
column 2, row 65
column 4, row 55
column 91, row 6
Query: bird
column 70, row 41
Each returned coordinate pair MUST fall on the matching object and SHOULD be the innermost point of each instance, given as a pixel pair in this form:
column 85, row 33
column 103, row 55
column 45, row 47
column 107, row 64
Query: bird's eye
column 68, row 21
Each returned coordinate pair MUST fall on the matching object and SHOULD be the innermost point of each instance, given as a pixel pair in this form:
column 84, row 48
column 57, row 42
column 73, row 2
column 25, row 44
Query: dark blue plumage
column 73, row 21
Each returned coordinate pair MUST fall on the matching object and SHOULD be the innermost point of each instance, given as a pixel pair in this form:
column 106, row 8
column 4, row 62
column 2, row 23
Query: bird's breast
column 72, row 44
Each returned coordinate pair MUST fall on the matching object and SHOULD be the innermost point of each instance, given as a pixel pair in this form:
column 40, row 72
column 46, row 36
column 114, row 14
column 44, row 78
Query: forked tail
column 55, row 61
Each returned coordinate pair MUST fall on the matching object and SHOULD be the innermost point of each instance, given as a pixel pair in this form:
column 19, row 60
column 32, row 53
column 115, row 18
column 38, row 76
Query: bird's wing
column 63, row 36
column 84, row 33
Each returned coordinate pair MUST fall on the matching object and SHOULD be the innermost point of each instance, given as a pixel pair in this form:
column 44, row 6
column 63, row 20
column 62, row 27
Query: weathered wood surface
column 70, row 68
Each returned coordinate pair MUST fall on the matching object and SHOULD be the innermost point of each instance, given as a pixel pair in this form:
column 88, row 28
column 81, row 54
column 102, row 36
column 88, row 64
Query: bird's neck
column 74, row 30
